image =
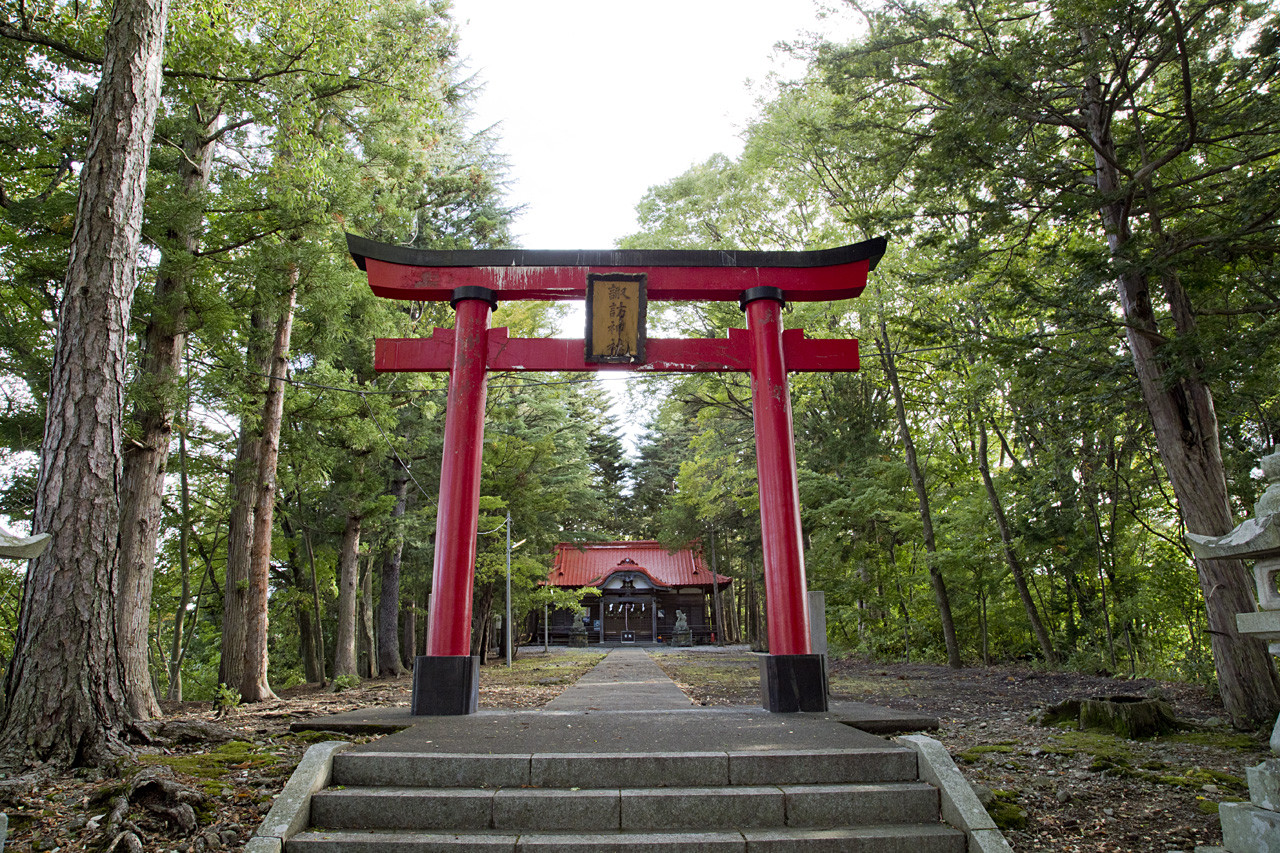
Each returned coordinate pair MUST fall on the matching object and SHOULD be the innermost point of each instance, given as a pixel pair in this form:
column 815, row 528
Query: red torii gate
column 446, row 679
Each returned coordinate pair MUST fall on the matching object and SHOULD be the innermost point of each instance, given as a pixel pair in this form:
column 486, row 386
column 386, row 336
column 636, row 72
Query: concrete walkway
column 626, row 680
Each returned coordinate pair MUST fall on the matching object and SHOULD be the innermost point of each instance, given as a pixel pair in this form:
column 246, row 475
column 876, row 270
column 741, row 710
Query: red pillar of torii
column 445, row 679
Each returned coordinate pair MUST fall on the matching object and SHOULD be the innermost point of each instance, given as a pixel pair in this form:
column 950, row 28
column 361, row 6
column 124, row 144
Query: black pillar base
column 790, row 683
column 445, row 685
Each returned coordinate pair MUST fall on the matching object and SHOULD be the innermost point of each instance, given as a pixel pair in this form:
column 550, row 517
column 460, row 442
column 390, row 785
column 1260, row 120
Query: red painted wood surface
column 471, row 349
column 700, row 284
column 781, row 539
column 687, row 355
column 449, row 623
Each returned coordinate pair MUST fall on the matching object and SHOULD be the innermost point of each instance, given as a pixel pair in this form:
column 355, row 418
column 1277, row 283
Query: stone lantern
column 1254, row 827
column 22, row 547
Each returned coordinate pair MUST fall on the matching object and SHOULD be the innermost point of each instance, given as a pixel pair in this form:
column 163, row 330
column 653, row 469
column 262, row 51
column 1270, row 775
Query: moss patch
column 1006, row 812
column 1113, row 757
column 1220, row 740
column 1208, row 806
column 214, row 766
column 1198, row 777
column 1098, row 744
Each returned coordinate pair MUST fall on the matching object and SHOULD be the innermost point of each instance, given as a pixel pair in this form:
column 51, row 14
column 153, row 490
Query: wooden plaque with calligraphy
column 616, row 305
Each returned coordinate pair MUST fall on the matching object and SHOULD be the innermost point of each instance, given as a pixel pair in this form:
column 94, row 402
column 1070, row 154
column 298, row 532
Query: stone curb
column 291, row 811
column 960, row 805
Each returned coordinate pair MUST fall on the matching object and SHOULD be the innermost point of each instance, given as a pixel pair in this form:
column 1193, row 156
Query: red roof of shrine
column 590, row 563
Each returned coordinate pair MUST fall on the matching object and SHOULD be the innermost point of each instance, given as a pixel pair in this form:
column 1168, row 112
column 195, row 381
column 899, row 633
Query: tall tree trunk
column 315, row 604
column 717, row 605
column 301, row 606
column 344, row 643
column 244, row 498
column 146, row 452
column 253, row 678
column 1006, row 542
column 389, row 662
column 184, row 561
column 368, row 639
column 410, row 650
column 940, row 595
column 1186, row 432
column 66, row 698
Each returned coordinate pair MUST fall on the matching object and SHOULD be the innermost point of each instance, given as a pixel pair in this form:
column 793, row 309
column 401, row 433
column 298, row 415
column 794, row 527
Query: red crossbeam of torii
column 475, row 281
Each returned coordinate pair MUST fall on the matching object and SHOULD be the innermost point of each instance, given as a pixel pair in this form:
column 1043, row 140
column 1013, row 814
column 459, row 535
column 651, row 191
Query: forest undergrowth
column 1051, row 788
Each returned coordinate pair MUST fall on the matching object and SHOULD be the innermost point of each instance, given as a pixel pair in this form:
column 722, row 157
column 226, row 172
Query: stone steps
column 538, row 809
column 932, row 838
column 784, row 801
column 887, row 763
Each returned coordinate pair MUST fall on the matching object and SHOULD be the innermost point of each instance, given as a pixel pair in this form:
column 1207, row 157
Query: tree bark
column 368, row 644
column 410, row 649
column 253, row 677
column 1186, row 431
column 344, row 643
column 66, row 698
column 389, row 662
column 184, row 561
column 940, row 595
column 302, row 607
column 146, row 452
column 240, row 525
column 1006, row 542
column 315, row 604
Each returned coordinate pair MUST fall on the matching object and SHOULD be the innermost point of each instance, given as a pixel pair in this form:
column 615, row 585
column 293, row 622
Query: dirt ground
column 1055, row 788
column 1050, row 788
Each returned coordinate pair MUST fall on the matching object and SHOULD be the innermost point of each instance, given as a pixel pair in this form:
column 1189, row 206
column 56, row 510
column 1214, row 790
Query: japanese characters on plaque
column 615, row 318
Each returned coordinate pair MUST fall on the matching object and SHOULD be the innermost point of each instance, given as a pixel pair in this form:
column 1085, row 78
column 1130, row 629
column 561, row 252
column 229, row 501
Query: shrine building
column 642, row 585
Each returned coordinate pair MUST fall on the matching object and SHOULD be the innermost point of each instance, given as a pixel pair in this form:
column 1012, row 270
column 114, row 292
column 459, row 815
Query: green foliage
column 343, row 682
column 957, row 130
column 225, row 699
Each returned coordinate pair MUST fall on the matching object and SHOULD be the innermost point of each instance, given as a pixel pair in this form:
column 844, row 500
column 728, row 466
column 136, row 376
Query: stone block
column 1264, row 580
column 1263, row 623
column 988, row 841
column 702, row 808
column 431, row 770
column 791, row 683
column 854, row 805
column 933, row 838
column 445, row 685
column 818, row 621
column 1249, row 829
column 1264, row 784
column 403, row 808
column 291, row 810
column 354, row 841
column 960, row 805
column 536, row 810
column 618, row 769
column 633, row 842
column 822, row 766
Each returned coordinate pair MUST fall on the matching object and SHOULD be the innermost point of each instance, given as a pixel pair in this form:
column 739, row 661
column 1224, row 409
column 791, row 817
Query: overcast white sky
column 598, row 100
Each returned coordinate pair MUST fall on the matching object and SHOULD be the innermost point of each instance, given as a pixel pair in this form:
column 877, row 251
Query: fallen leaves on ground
column 1085, row 792
column 1075, row 791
